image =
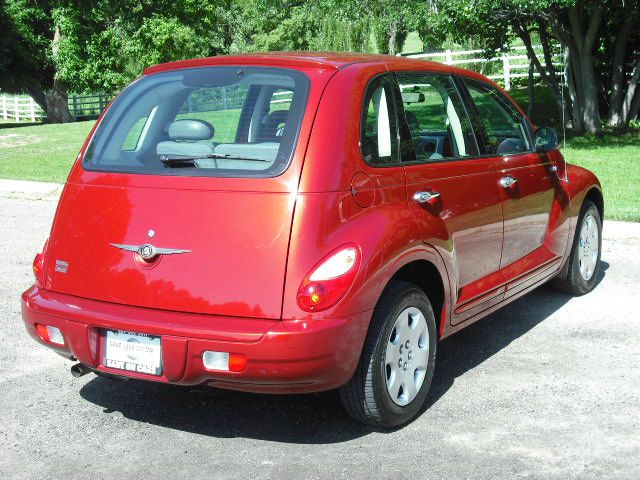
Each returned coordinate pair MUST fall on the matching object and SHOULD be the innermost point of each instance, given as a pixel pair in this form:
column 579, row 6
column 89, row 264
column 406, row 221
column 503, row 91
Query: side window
column 275, row 120
column 437, row 121
column 379, row 137
column 135, row 137
column 504, row 128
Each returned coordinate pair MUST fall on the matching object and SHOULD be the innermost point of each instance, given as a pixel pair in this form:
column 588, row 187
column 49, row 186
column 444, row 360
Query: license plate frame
column 132, row 352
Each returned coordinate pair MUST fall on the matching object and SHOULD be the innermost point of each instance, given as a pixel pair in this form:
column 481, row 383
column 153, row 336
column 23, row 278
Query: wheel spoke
column 409, row 387
column 421, row 356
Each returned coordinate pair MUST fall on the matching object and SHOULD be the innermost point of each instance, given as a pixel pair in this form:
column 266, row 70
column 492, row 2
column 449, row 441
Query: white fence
column 20, row 108
column 514, row 64
column 17, row 108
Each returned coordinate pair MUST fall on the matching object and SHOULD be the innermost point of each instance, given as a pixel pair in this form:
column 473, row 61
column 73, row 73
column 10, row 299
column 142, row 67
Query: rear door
column 532, row 196
column 452, row 192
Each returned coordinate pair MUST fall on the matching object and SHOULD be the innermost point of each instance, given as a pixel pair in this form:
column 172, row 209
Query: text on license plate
column 133, row 352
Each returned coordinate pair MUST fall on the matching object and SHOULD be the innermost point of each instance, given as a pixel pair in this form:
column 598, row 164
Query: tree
column 90, row 45
column 31, row 47
column 580, row 26
column 123, row 37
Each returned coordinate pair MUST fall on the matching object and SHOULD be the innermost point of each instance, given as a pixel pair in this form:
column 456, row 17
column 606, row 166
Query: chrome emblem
column 151, row 233
column 148, row 251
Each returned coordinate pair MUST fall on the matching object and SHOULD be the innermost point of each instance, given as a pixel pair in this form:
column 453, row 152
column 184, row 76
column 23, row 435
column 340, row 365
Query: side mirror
column 546, row 139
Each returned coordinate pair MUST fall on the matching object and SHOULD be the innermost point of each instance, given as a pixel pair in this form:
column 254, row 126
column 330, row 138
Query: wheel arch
column 595, row 195
column 429, row 278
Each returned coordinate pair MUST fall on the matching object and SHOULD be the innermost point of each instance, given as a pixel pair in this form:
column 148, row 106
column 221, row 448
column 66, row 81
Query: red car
column 299, row 222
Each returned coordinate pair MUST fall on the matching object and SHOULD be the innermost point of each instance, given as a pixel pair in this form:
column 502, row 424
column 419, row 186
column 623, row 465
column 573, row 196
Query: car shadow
column 313, row 418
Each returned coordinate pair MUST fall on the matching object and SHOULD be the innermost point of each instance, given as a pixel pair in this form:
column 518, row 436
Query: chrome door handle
column 508, row 181
column 425, row 197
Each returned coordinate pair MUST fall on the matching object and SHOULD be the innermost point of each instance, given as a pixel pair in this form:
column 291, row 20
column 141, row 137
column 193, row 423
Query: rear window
column 213, row 121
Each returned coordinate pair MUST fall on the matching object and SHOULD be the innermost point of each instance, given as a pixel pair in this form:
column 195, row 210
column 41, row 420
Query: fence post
column 4, row 107
column 75, row 107
column 225, row 103
column 16, row 103
column 33, row 109
column 448, row 59
column 507, row 71
column 100, row 101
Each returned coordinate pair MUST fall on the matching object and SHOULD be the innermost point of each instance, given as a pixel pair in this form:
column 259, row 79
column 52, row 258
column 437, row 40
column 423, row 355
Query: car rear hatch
column 217, row 229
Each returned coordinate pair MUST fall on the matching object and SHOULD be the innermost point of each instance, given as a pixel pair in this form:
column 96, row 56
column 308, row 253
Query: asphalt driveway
column 549, row 387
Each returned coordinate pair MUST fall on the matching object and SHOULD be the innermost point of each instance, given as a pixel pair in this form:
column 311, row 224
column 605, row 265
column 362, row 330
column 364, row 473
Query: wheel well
column 596, row 197
column 425, row 275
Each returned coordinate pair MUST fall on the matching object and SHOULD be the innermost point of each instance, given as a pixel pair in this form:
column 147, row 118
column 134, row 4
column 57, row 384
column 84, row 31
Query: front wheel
column 392, row 380
column 583, row 265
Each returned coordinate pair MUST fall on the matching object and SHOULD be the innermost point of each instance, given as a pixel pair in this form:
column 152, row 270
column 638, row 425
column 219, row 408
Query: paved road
column 547, row 388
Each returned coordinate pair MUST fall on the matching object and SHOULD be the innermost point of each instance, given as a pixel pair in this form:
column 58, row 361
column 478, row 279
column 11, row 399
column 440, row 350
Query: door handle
column 425, row 197
column 508, row 181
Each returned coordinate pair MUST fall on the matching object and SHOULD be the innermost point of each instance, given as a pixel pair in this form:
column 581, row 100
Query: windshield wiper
column 169, row 161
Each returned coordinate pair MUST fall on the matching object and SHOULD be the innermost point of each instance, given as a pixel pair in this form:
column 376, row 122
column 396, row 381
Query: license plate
column 133, row 352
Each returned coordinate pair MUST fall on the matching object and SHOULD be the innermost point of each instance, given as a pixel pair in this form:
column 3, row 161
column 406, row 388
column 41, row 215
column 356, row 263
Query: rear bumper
column 283, row 356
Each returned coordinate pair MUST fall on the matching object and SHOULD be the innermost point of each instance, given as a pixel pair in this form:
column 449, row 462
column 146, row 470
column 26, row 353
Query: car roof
column 331, row 60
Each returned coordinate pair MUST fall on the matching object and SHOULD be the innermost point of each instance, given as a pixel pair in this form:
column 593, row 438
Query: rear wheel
column 580, row 274
column 392, row 380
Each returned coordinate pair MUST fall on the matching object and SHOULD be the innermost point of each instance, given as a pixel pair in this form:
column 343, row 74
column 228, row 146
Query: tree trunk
column 631, row 94
column 547, row 72
column 56, row 100
column 576, row 101
column 635, row 107
column 392, row 35
column 590, row 107
column 532, row 90
column 579, row 37
column 617, row 71
column 56, row 97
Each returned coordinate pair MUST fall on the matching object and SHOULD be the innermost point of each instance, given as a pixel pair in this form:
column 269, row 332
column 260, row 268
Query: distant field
column 46, row 152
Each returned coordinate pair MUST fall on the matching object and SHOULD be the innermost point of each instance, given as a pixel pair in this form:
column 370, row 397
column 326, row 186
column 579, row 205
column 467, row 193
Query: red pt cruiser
column 303, row 222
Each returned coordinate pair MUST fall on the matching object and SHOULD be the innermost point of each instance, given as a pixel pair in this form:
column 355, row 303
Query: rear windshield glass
column 214, row 121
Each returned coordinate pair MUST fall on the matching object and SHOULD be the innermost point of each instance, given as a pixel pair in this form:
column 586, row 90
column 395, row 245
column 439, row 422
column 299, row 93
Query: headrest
column 509, row 145
column 188, row 129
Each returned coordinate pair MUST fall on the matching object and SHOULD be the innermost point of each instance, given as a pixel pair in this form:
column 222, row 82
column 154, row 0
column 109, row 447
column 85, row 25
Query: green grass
column 46, row 153
column 41, row 152
column 616, row 162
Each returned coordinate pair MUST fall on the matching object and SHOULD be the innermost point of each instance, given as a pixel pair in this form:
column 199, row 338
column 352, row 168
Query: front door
column 534, row 202
column 452, row 192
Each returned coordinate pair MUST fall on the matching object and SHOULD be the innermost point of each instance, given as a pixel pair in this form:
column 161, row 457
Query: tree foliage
column 598, row 37
column 51, row 46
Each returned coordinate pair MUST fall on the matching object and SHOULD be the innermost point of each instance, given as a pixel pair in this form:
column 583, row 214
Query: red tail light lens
column 330, row 279
column 38, row 264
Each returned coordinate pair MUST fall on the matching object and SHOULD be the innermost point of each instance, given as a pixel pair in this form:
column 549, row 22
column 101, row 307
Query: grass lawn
column 46, row 152
column 616, row 162
column 41, row 152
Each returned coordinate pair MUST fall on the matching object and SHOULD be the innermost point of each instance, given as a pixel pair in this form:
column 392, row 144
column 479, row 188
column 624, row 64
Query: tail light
column 38, row 264
column 50, row 334
column 224, row 361
column 330, row 279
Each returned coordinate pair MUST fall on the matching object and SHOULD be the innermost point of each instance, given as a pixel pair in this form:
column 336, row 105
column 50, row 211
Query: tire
column 366, row 397
column 581, row 272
